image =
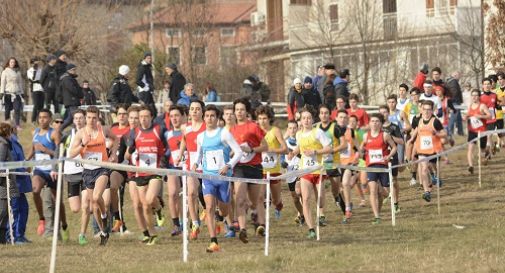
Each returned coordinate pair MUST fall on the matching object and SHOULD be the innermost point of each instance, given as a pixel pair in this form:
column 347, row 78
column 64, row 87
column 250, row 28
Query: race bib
column 269, row 160
column 309, row 161
column 70, row 167
column 214, row 160
column 347, row 152
column 426, row 143
column 92, row 156
column 177, row 154
column 476, row 123
column 41, row 156
column 376, row 156
column 148, row 160
column 246, row 157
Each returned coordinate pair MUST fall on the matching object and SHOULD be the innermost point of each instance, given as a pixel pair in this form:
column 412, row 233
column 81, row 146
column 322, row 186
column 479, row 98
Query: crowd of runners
column 237, row 140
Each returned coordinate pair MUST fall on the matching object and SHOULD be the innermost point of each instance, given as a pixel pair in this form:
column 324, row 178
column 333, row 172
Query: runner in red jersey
column 477, row 115
column 488, row 98
column 193, row 129
column 360, row 113
column 250, row 137
column 147, row 140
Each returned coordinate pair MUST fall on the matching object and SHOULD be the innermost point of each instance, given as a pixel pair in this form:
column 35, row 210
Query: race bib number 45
column 309, row 161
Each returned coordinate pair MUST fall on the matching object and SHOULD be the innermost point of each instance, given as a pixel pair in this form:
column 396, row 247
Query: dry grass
column 422, row 241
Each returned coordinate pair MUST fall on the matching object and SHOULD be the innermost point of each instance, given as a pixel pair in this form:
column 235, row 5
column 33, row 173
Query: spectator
column 5, row 156
column 310, row 94
column 436, row 78
column 120, row 91
column 248, row 91
column 163, row 95
column 328, row 69
column 421, row 77
column 11, row 90
column 187, row 95
column 50, row 81
column 177, row 81
column 20, row 206
column 261, row 88
column 454, row 92
column 61, row 63
column 72, row 94
column 210, row 94
column 341, row 84
column 329, row 94
column 317, row 79
column 295, row 99
column 33, row 75
column 145, row 82
column 89, row 95
column 467, row 94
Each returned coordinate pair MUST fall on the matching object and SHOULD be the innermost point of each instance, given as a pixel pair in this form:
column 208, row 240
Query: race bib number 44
column 269, row 160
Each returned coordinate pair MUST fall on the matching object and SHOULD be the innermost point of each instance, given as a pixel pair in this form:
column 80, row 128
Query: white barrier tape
column 15, row 173
column 24, row 164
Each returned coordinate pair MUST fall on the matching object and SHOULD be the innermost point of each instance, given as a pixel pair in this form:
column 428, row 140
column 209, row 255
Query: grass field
column 422, row 240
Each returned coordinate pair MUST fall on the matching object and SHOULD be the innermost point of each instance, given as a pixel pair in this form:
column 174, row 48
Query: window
column 430, row 8
column 199, row 55
column 334, row 16
column 452, row 6
column 173, row 55
column 227, row 32
column 199, row 32
column 173, row 32
column 228, row 55
column 301, row 2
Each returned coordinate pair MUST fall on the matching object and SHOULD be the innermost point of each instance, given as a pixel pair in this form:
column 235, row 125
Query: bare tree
column 495, row 30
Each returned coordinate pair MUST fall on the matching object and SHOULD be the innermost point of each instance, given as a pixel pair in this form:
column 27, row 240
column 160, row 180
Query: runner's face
column 324, row 115
column 91, row 119
column 306, row 120
column 402, row 92
column 292, row 129
column 79, row 120
column 384, row 113
column 486, row 86
column 240, row 112
column 229, row 117
column 427, row 111
column 353, row 104
column 122, row 117
column 392, row 104
column 44, row 120
column 501, row 81
column 340, row 104
column 375, row 124
column 428, row 89
column 439, row 93
column 341, row 119
column 133, row 119
column 475, row 97
column 435, row 75
column 263, row 121
column 414, row 97
column 166, row 105
column 175, row 118
column 195, row 111
column 145, row 118
column 210, row 119
column 353, row 123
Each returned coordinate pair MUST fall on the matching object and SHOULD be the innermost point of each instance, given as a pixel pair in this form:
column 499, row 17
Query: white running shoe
column 413, row 182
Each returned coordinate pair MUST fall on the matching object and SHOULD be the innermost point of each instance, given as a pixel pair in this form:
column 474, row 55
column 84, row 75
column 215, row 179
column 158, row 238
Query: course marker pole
column 52, row 266
column 120, row 212
column 438, row 185
column 9, row 207
column 392, row 193
column 267, row 215
column 318, row 211
column 480, row 164
column 184, row 219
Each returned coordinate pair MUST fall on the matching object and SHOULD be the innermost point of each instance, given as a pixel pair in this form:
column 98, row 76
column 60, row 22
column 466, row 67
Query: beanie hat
column 70, row 66
column 124, row 69
column 307, row 80
column 297, row 80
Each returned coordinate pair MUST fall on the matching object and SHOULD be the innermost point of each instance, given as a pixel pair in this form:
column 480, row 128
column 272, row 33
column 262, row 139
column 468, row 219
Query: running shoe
column 41, row 227
column 160, row 218
column 451, row 142
column 312, row 234
column 213, row 247
column 386, row 200
column 219, row 227
column 376, row 221
column 117, row 225
column 235, row 225
column 176, row 231
column 152, row 240
column 203, row 216
column 104, row 237
column 362, row 203
column 340, row 202
column 348, row 214
column 82, row 240
column 322, row 221
column 195, row 230
column 254, row 217
column 230, row 233
column 413, row 181
column 65, row 235
column 23, row 240
column 427, row 196
column 397, row 208
column 302, row 220
column 277, row 214
column 470, row 169
column 243, row 236
column 345, row 221
column 144, row 239
column 260, row 231
column 435, row 180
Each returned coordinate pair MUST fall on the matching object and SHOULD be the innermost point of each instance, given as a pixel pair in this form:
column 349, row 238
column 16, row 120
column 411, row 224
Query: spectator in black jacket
column 50, row 81
column 120, row 91
column 71, row 92
column 310, row 94
column 329, row 94
column 177, row 82
column 454, row 92
column 145, row 82
column 61, row 68
column 89, row 95
column 341, row 83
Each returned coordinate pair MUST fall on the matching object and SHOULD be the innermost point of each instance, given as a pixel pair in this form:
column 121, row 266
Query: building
column 383, row 42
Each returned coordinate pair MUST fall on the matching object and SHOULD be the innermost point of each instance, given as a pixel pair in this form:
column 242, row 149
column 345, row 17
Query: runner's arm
column 115, row 144
column 76, row 145
column 392, row 144
column 284, row 148
column 228, row 138
column 199, row 142
column 485, row 111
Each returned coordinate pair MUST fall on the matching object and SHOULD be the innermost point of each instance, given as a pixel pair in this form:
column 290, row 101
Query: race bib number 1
column 214, row 160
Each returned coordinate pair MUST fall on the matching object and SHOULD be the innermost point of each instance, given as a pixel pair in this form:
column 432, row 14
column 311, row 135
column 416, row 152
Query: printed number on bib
column 148, row 160
column 426, row 143
column 94, row 157
column 40, row 156
column 214, row 160
column 269, row 160
column 476, row 123
column 375, row 156
column 309, row 161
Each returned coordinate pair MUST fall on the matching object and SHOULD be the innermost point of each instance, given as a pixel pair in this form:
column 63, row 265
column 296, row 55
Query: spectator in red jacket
column 421, row 77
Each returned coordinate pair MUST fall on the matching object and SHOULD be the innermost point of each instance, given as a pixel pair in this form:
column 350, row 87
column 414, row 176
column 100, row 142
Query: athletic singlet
column 173, row 138
column 411, row 110
column 95, row 149
column 215, row 153
column 308, row 141
column 150, row 148
column 401, row 103
column 376, row 149
column 190, row 136
column 348, row 155
column 445, row 112
column 332, row 159
column 426, row 142
column 294, row 163
column 489, row 99
column 270, row 161
column 119, row 132
column 396, row 119
column 70, row 167
column 475, row 124
column 248, row 134
column 500, row 96
column 47, row 142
